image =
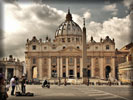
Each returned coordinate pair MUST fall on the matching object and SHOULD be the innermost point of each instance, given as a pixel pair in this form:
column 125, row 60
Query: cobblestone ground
column 76, row 92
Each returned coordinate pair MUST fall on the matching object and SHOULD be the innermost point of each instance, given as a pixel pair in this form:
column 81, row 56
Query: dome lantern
column 68, row 16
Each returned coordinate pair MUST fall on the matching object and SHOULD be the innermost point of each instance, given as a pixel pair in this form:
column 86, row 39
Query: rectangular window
column 53, row 60
column 78, row 66
column 45, row 48
column 34, row 47
column 71, row 60
column 88, row 60
column 64, row 60
column 64, row 66
column 77, row 39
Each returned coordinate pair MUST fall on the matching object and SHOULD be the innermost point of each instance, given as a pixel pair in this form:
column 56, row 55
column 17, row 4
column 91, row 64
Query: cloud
column 117, row 28
column 87, row 14
column 112, row 8
column 25, row 21
column 127, row 3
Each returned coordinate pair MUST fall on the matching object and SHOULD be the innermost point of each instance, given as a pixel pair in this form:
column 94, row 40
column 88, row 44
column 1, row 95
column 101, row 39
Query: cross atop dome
column 68, row 16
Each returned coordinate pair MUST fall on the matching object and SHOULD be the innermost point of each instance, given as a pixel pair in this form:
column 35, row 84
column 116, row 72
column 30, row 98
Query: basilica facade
column 62, row 58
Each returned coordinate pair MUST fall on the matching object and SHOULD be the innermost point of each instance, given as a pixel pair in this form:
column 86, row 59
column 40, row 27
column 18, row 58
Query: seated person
column 45, row 82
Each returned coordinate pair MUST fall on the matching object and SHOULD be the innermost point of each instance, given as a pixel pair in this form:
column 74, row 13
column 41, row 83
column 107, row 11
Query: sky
column 24, row 19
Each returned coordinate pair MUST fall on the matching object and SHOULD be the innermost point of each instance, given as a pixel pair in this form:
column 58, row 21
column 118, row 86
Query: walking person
column 13, row 84
column 23, row 84
column 3, row 91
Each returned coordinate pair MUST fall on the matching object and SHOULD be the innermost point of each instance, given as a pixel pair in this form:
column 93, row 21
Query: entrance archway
column 34, row 72
column 107, row 71
column 89, row 74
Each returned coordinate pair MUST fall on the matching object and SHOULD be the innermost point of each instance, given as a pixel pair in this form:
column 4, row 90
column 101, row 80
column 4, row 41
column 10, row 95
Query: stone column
column 18, row 74
column 29, row 73
column 40, row 65
column 61, row 67
column 75, row 68
column 113, row 68
column 49, row 67
column 29, row 68
column 92, row 67
column 101, row 68
column 67, row 67
column 14, row 71
column 5, row 73
column 58, row 66
column 81, row 68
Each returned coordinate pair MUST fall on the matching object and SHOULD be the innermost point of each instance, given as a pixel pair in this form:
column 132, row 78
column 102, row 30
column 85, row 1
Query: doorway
column 1, row 70
column 34, row 72
column 107, row 71
column 89, row 74
column 10, row 73
column 71, row 73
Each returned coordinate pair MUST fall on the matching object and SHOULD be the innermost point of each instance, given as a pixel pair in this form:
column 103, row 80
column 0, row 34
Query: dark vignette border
column 60, row 1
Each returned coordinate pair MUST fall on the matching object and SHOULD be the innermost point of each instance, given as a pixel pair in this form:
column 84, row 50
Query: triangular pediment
column 70, row 49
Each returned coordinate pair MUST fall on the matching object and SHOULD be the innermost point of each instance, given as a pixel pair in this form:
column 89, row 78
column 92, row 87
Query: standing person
column 13, row 84
column 3, row 92
column 23, row 82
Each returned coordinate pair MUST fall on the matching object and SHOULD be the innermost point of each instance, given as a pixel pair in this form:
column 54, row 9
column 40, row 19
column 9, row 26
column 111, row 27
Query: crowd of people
column 14, row 84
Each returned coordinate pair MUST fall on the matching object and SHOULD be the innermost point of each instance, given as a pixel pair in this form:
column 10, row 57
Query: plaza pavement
column 76, row 92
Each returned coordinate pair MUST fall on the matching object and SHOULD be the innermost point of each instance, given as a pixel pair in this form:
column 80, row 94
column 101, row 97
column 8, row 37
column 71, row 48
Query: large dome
column 69, row 27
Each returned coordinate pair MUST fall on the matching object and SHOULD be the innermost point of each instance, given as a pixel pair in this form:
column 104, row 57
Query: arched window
column 68, row 39
column 64, row 47
column 77, row 39
column 63, row 39
column 34, row 47
column 77, row 47
column 107, row 47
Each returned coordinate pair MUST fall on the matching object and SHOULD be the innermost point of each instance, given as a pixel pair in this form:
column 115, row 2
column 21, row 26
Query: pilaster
column 49, row 68
column 75, row 67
